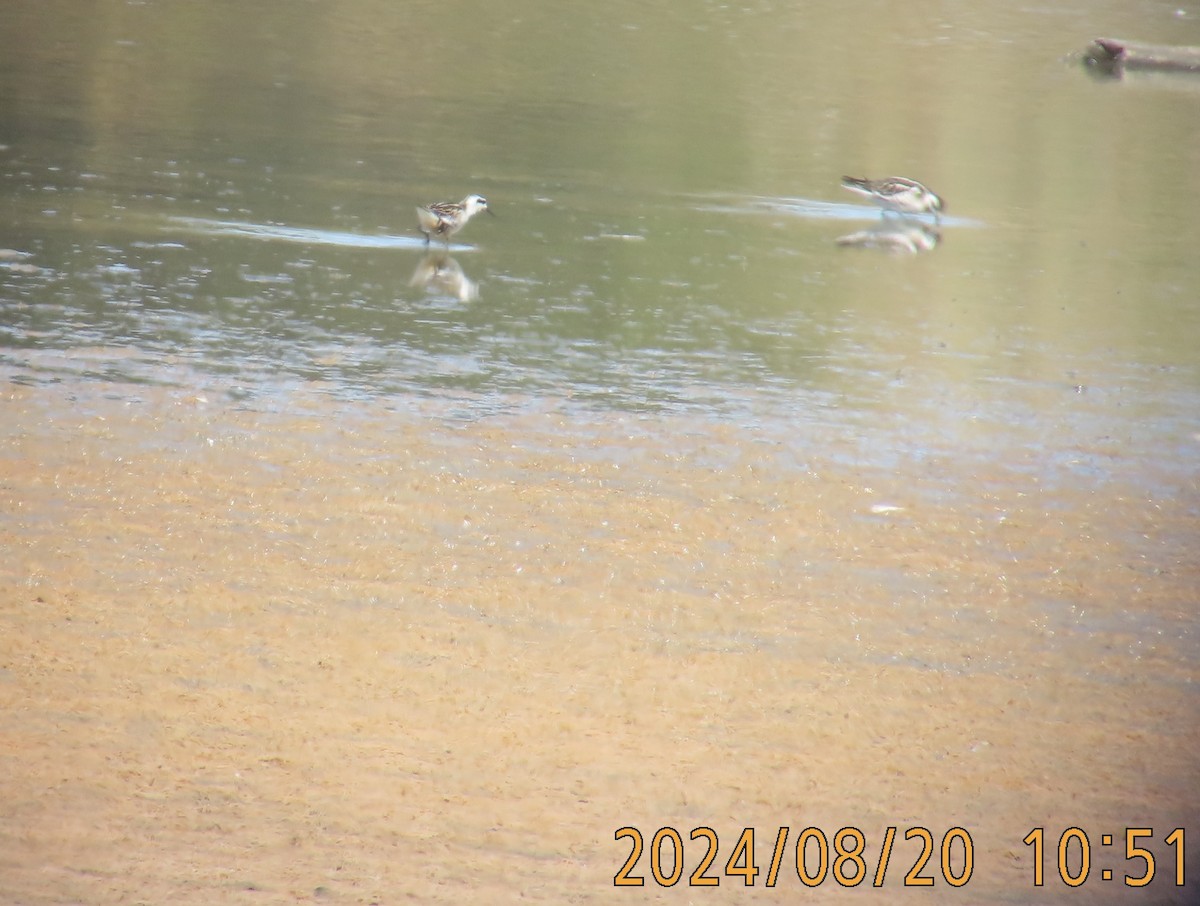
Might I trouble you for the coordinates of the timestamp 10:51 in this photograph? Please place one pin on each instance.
(1075, 855)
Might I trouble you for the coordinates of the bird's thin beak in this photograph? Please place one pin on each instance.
(490, 211)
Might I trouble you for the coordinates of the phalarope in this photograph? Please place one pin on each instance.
(897, 194)
(445, 218)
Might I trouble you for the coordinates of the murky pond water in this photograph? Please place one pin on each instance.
(339, 560)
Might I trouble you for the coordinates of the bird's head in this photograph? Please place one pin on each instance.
(473, 204)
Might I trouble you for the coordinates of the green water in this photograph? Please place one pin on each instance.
(221, 195)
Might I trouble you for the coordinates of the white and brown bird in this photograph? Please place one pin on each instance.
(897, 194)
(445, 218)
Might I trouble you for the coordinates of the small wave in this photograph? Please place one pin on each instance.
(306, 235)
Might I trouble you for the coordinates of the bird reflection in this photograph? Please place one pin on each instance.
(439, 274)
(903, 237)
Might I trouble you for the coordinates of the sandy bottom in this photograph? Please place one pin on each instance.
(350, 657)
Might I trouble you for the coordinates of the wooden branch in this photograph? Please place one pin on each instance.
(1115, 55)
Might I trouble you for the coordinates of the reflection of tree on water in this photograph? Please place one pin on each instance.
(441, 275)
(899, 236)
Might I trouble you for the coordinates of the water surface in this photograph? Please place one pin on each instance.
(235, 190)
(649, 476)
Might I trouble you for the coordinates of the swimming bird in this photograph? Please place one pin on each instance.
(897, 194)
(445, 218)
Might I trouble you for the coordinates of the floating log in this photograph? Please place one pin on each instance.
(1115, 56)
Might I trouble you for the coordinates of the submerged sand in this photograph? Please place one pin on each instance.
(349, 655)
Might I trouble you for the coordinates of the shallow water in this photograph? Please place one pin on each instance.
(646, 446)
(667, 225)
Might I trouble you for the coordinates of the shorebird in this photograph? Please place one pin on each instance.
(897, 194)
(445, 218)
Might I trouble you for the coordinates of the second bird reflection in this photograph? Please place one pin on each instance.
(440, 275)
(903, 237)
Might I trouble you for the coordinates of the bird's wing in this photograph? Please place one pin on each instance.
(429, 219)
